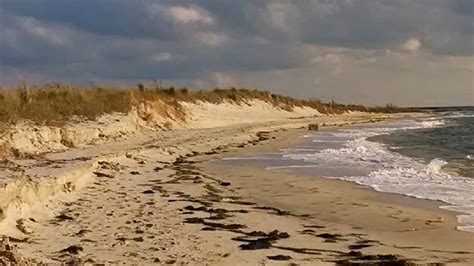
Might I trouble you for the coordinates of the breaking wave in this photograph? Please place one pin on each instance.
(395, 173)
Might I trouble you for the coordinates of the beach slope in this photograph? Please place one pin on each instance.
(155, 195)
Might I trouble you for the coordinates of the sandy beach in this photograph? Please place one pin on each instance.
(169, 199)
(237, 132)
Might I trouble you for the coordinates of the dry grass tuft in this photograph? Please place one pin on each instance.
(57, 103)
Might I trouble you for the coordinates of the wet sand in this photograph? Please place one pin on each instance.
(172, 201)
(386, 223)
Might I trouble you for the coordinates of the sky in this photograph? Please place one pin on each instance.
(405, 52)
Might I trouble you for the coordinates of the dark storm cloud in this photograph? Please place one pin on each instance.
(464, 7)
(25, 42)
(364, 24)
(107, 17)
(145, 39)
(357, 23)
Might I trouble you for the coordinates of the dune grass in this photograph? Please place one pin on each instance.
(57, 103)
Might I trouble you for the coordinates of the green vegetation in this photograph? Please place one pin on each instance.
(57, 103)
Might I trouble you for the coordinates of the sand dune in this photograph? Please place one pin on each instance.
(132, 191)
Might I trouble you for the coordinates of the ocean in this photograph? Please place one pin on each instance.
(428, 158)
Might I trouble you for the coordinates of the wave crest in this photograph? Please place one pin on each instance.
(395, 173)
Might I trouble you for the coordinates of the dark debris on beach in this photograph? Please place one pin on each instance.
(217, 219)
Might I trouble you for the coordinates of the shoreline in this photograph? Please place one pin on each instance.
(397, 197)
(157, 202)
(297, 136)
(445, 221)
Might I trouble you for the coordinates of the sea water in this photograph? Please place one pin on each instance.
(430, 158)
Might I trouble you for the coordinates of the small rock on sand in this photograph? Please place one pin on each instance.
(314, 127)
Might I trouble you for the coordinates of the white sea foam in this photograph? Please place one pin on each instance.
(327, 141)
(395, 173)
(460, 115)
(432, 123)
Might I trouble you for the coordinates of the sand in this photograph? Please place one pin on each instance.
(413, 229)
(167, 199)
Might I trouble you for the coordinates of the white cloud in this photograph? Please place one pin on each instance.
(190, 14)
(47, 33)
(411, 45)
(180, 14)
